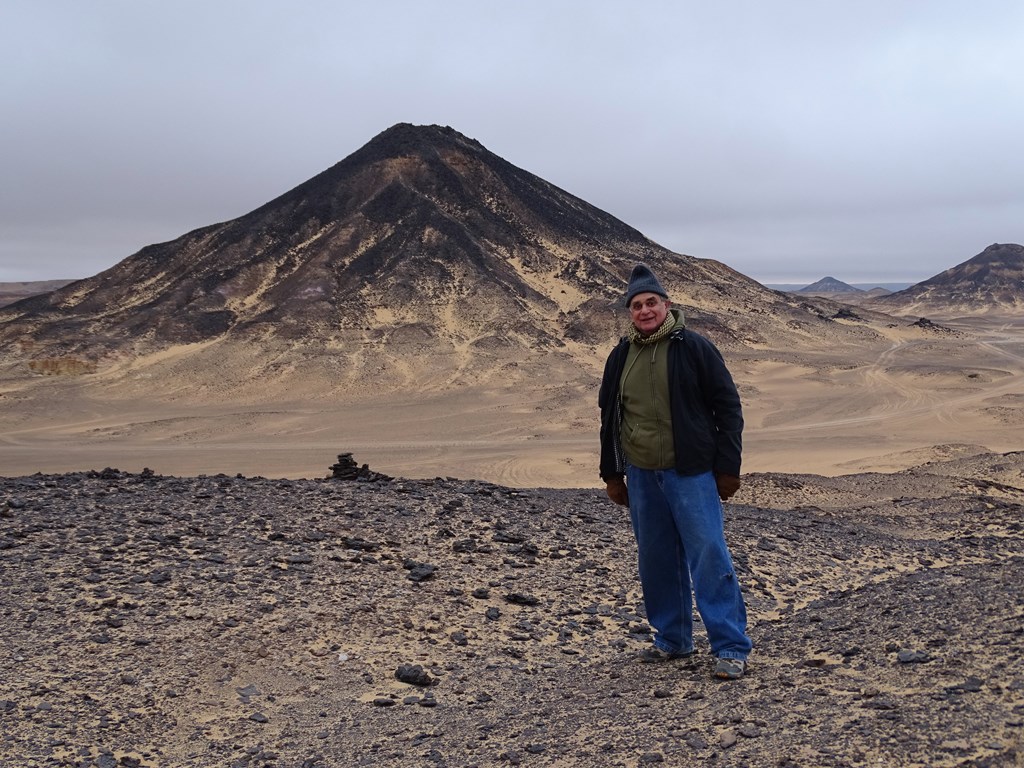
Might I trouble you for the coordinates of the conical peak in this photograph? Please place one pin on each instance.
(399, 142)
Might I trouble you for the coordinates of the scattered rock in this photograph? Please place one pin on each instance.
(970, 685)
(133, 608)
(413, 674)
(907, 656)
(419, 571)
(519, 598)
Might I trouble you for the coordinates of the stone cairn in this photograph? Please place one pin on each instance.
(347, 469)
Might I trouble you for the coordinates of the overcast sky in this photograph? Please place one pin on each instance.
(877, 140)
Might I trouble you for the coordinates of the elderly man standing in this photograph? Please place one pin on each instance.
(671, 427)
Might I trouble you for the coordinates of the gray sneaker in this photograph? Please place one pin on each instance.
(730, 669)
(655, 655)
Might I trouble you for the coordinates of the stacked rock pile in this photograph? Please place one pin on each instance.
(348, 469)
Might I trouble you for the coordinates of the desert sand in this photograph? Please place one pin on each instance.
(890, 407)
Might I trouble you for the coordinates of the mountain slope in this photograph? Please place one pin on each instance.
(990, 283)
(422, 259)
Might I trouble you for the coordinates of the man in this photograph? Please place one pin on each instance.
(671, 427)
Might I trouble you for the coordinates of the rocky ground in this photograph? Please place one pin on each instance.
(232, 621)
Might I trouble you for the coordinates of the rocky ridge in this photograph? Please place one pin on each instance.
(990, 283)
(232, 621)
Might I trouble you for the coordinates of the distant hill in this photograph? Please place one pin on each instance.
(12, 292)
(828, 285)
(866, 287)
(879, 291)
(990, 283)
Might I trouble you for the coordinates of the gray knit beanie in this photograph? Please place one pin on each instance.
(642, 280)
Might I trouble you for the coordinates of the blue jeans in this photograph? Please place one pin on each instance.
(680, 534)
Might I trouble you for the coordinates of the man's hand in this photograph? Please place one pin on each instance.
(617, 491)
(727, 486)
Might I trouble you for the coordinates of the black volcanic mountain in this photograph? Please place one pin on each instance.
(829, 285)
(418, 258)
(990, 283)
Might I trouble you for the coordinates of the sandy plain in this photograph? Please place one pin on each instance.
(824, 413)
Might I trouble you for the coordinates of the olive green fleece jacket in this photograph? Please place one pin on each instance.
(646, 409)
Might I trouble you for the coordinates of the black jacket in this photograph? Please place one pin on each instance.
(707, 420)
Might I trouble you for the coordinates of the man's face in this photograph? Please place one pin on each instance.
(648, 311)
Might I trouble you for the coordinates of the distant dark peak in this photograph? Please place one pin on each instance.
(991, 281)
(829, 285)
(1002, 262)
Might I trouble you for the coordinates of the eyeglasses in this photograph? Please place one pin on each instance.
(638, 306)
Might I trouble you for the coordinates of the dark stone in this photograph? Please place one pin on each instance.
(419, 571)
(907, 656)
(749, 730)
(970, 685)
(352, 542)
(506, 537)
(413, 674)
(518, 598)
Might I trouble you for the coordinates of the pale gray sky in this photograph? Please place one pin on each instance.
(878, 140)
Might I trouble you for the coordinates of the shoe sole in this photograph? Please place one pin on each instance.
(729, 675)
